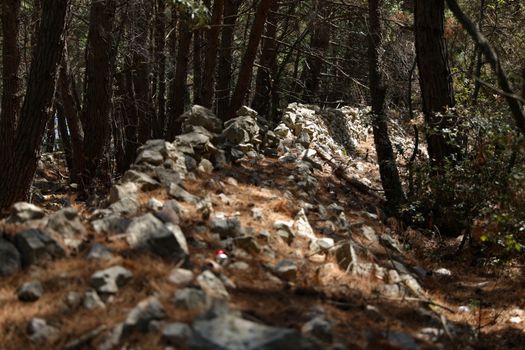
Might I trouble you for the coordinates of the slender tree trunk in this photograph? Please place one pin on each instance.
(197, 66)
(208, 83)
(319, 45)
(10, 107)
(263, 81)
(479, 56)
(17, 173)
(65, 138)
(231, 9)
(172, 49)
(180, 89)
(68, 105)
(385, 154)
(246, 69)
(434, 77)
(97, 100)
(160, 55)
(50, 135)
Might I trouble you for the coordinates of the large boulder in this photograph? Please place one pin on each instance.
(36, 245)
(243, 129)
(67, 224)
(230, 332)
(165, 240)
(23, 212)
(203, 117)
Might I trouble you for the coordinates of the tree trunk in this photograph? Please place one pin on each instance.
(267, 65)
(97, 100)
(160, 55)
(10, 107)
(385, 155)
(231, 9)
(65, 138)
(246, 69)
(197, 66)
(172, 49)
(318, 47)
(49, 143)
(208, 83)
(17, 173)
(435, 78)
(181, 74)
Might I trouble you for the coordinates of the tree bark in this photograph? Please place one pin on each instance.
(212, 38)
(319, 45)
(97, 100)
(434, 77)
(265, 72)
(10, 107)
(231, 9)
(17, 173)
(160, 56)
(180, 89)
(172, 50)
(246, 69)
(385, 154)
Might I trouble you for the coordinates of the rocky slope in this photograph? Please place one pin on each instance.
(231, 237)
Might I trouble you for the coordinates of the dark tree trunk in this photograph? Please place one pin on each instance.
(50, 136)
(172, 49)
(246, 68)
(385, 154)
(180, 89)
(141, 72)
(264, 79)
(68, 104)
(231, 9)
(197, 66)
(65, 138)
(318, 47)
(17, 173)
(160, 56)
(434, 77)
(10, 107)
(97, 100)
(212, 38)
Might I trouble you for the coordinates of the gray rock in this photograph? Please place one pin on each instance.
(390, 243)
(168, 177)
(346, 256)
(181, 277)
(23, 212)
(150, 157)
(109, 281)
(111, 224)
(168, 216)
(92, 300)
(257, 214)
(203, 117)
(242, 130)
(230, 332)
(318, 327)
(286, 269)
(212, 285)
(40, 332)
(167, 241)
(205, 167)
(391, 290)
(190, 298)
(248, 243)
(181, 194)
(126, 206)
(154, 204)
(121, 191)
(66, 222)
(369, 233)
(403, 340)
(143, 181)
(35, 246)
(226, 226)
(323, 244)
(442, 272)
(139, 318)
(176, 333)
(239, 265)
(99, 252)
(10, 259)
(30, 291)
(73, 300)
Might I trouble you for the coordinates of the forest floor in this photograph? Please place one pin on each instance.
(476, 306)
